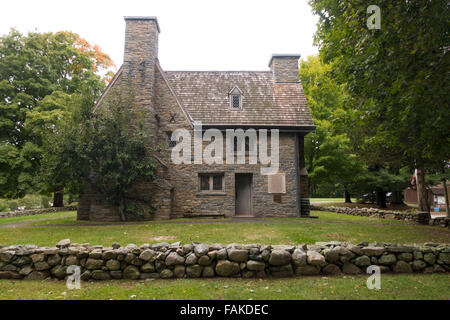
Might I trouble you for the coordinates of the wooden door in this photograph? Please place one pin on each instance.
(243, 190)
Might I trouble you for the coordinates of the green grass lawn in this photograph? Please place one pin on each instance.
(422, 286)
(329, 226)
(69, 218)
(38, 217)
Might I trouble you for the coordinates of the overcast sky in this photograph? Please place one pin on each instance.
(195, 34)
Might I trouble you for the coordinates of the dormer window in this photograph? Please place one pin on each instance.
(235, 98)
(236, 101)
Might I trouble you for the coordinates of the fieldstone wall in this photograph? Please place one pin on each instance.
(419, 217)
(31, 212)
(195, 260)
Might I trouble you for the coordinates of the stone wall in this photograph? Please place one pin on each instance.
(419, 217)
(197, 260)
(32, 212)
(190, 201)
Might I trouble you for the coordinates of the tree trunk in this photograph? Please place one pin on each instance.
(422, 194)
(372, 198)
(397, 197)
(381, 198)
(58, 198)
(123, 211)
(348, 199)
(447, 208)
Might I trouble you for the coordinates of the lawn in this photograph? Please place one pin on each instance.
(329, 226)
(38, 217)
(422, 286)
(51, 228)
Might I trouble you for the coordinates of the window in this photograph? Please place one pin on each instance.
(235, 101)
(235, 96)
(217, 182)
(211, 182)
(204, 182)
(171, 143)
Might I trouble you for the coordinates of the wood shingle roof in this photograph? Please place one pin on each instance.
(204, 94)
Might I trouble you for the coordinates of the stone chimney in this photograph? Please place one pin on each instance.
(140, 57)
(284, 68)
(141, 39)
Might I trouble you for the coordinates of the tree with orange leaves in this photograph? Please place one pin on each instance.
(39, 75)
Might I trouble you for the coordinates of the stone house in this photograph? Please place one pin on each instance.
(172, 100)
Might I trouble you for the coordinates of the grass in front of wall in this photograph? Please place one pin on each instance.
(71, 219)
(71, 214)
(400, 286)
(329, 226)
(332, 217)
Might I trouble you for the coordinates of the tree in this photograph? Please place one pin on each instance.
(329, 157)
(38, 74)
(106, 150)
(399, 73)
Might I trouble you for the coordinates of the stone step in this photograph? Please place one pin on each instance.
(202, 215)
(243, 217)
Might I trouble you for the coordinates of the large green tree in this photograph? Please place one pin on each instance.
(399, 73)
(330, 158)
(104, 149)
(38, 74)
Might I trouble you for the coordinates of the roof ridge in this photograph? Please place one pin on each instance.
(217, 71)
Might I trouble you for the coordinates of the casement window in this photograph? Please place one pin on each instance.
(235, 96)
(170, 142)
(235, 101)
(211, 182)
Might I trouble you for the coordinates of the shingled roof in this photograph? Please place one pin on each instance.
(204, 94)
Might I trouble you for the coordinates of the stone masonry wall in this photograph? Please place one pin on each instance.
(191, 201)
(285, 69)
(419, 217)
(197, 260)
